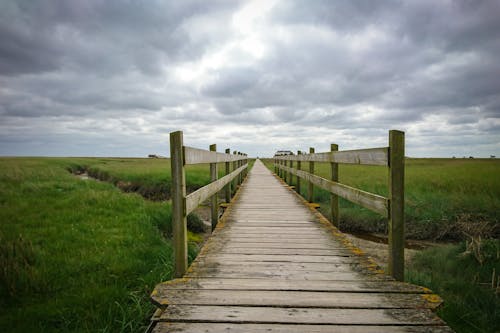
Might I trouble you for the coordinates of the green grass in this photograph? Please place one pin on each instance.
(471, 304)
(81, 256)
(438, 194)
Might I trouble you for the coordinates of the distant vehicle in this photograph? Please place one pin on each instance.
(283, 153)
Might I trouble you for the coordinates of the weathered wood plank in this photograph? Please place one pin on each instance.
(267, 258)
(240, 314)
(291, 299)
(295, 285)
(306, 252)
(201, 156)
(372, 156)
(248, 272)
(207, 327)
(195, 198)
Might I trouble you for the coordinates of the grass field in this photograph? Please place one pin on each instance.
(82, 256)
(447, 199)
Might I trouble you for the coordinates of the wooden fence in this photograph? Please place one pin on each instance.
(391, 207)
(183, 204)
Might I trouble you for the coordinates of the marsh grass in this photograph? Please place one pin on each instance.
(469, 288)
(80, 256)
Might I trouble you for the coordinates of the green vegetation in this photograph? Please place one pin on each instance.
(82, 256)
(468, 284)
(439, 194)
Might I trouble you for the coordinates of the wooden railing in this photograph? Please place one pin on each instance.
(183, 204)
(391, 207)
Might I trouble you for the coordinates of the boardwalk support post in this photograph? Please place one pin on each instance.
(396, 204)
(179, 220)
(214, 204)
(334, 199)
(310, 191)
(228, 171)
(299, 164)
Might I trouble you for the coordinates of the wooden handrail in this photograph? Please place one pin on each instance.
(183, 204)
(391, 207)
(372, 156)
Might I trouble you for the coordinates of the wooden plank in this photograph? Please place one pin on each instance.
(240, 314)
(371, 156)
(396, 194)
(248, 272)
(179, 221)
(286, 245)
(239, 249)
(266, 258)
(310, 267)
(374, 202)
(208, 327)
(194, 199)
(201, 156)
(291, 299)
(297, 285)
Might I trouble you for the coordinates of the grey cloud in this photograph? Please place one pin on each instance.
(78, 73)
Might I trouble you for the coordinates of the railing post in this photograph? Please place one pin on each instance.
(179, 221)
(334, 199)
(239, 165)
(396, 204)
(285, 178)
(275, 166)
(235, 166)
(228, 171)
(299, 164)
(310, 192)
(214, 204)
(290, 176)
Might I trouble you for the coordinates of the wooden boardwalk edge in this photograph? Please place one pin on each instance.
(247, 279)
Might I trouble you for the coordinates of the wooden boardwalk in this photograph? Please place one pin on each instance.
(274, 265)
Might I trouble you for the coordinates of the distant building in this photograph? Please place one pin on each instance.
(283, 153)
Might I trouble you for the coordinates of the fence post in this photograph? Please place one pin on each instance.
(285, 177)
(299, 164)
(179, 220)
(310, 193)
(290, 176)
(396, 204)
(334, 199)
(228, 171)
(214, 204)
(235, 166)
(275, 166)
(240, 163)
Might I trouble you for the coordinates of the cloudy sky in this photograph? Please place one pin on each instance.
(113, 78)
